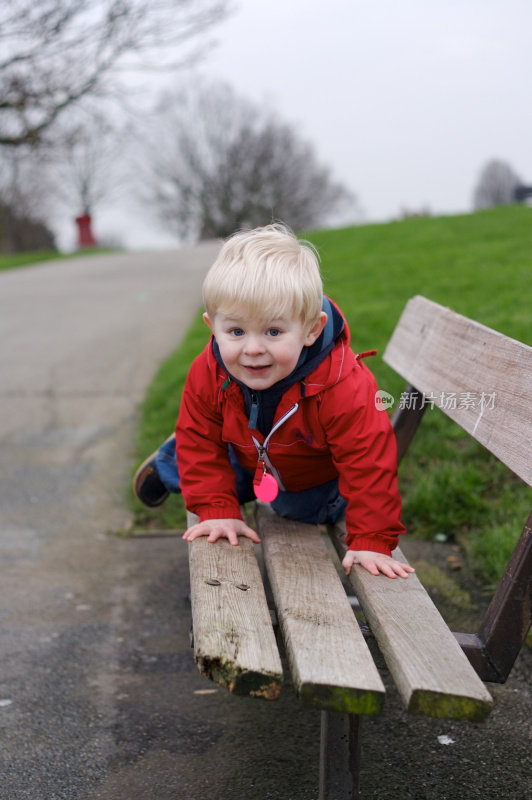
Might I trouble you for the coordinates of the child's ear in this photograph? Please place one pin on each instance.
(316, 329)
(207, 321)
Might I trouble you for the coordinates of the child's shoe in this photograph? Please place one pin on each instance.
(148, 485)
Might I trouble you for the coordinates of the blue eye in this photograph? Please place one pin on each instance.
(274, 331)
(237, 332)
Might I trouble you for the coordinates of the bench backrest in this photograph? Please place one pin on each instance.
(483, 381)
(477, 376)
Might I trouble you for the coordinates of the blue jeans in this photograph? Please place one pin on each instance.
(318, 506)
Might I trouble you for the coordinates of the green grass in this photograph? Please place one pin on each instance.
(15, 260)
(158, 417)
(481, 266)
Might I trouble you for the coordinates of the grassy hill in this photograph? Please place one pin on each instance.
(481, 266)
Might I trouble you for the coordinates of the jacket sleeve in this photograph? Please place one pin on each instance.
(363, 449)
(207, 478)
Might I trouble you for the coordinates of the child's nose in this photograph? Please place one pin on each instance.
(254, 344)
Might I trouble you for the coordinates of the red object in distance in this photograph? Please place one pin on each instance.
(85, 235)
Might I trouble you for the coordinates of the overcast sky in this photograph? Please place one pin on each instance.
(405, 100)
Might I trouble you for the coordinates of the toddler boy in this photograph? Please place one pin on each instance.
(277, 406)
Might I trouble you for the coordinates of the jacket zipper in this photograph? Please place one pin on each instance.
(262, 449)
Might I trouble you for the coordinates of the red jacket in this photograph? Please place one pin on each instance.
(336, 431)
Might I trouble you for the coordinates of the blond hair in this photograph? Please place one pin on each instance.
(266, 273)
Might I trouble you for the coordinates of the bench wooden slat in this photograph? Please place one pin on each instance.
(234, 641)
(439, 351)
(330, 662)
(432, 674)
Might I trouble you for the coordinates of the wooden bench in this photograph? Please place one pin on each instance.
(438, 673)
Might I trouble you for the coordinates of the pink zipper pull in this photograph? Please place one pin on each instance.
(267, 490)
(264, 484)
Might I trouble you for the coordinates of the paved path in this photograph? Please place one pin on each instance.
(99, 696)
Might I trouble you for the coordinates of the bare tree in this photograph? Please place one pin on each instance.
(57, 53)
(24, 202)
(86, 169)
(219, 163)
(496, 186)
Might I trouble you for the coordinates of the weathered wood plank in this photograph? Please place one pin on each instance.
(485, 375)
(234, 641)
(431, 671)
(330, 663)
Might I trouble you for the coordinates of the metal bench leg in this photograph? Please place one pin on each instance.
(339, 756)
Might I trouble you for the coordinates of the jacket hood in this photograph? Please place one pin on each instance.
(329, 371)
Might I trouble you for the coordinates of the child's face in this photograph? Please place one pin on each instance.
(260, 354)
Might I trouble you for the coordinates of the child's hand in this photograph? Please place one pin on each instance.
(215, 529)
(376, 563)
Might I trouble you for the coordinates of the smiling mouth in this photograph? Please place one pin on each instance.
(256, 367)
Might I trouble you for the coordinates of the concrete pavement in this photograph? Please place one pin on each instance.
(99, 696)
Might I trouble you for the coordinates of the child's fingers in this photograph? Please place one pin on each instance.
(190, 534)
(403, 570)
(251, 534)
(393, 568)
(229, 529)
(220, 533)
(386, 569)
(400, 569)
(376, 564)
(232, 532)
